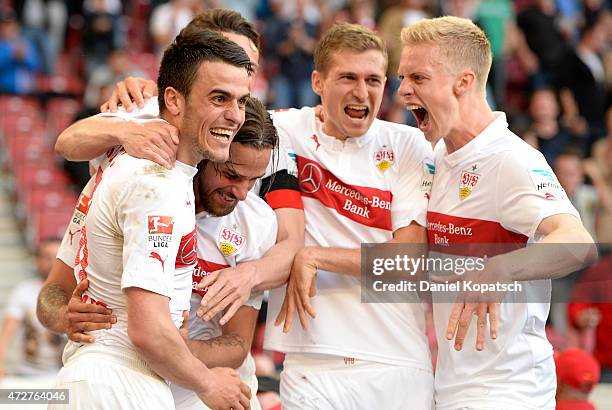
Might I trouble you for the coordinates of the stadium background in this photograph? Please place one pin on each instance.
(552, 74)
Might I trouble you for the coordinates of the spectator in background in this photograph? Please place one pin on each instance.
(102, 31)
(569, 170)
(545, 39)
(599, 169)
(116, 68)
(577, 374)
(289, 46)
(42, 350)
(19, 60)
(584, 76)
(167, 20)
(546, 133)
(44, 23)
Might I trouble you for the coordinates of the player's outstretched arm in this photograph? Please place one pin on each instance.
(302, 280)
(60, 307)
(228, 289)
(573, 249)
(231, 348)
(159, 342)
(129, 92)
(93, 136)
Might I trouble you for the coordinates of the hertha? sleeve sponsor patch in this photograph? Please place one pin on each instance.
(546, 184)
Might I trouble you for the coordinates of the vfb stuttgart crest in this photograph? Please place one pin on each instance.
(383, 158)
(230, 241)
(467, 184)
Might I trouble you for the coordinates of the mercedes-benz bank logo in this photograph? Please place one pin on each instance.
(311, 177)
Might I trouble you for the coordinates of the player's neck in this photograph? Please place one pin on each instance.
(185, 152)
(472, 119)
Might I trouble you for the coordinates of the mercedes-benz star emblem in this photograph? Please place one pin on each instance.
(310, 178)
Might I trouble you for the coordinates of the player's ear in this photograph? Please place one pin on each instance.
(174, 101)
(466, 80)
(317, 82)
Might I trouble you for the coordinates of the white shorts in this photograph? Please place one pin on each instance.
(538, 393)
(323, 382)
(103, 378)
(187, 400)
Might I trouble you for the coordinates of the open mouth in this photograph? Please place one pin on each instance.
(356, 111)
(222, 134)
(420, 114)
(228, 199)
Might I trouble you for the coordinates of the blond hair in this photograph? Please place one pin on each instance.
(463, 43)
(346, 36)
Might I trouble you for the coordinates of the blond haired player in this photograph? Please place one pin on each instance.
(491, 187)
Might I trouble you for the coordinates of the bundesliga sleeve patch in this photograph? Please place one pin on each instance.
(159, 234)
(160, 224)
(546, 184)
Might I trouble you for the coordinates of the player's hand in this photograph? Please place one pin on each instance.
(229, 287)
(461, 318)
(84, 317)
(156, 141)
(301, 286)
(469, 303)
(132, 90)
(225, 391)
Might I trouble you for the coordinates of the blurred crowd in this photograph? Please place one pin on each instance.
(552, 75)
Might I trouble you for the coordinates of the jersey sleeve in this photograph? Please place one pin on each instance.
(280, 187)
(149, 111)
(527, 192)
(146, 214)
(412, 184)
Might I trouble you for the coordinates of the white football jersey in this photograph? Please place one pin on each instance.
(245, 234)
(139, 231)
(355, 191)
(496, 189)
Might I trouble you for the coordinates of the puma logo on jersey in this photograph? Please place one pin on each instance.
(316, 141)
(156, 256)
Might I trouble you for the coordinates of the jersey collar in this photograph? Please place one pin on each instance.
(335, 144)
(186, 169)
(487, 137)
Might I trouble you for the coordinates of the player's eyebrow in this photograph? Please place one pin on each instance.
(227, 93)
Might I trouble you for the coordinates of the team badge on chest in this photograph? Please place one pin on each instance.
(230, 240)
(383, 158)
(468, 182)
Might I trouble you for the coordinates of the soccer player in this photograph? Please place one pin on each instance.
(490, 187)
(137, 242)
(361, 180)
(233, 226)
